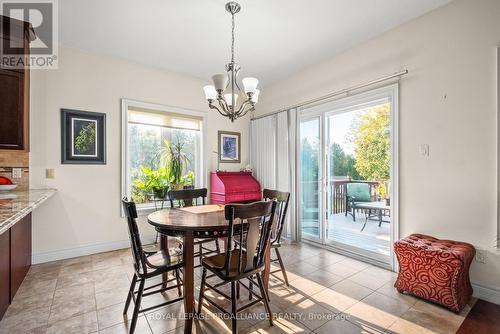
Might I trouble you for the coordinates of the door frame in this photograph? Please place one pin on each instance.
(308, 117)
(330, 107)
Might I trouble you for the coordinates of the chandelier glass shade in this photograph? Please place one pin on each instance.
(226, 95)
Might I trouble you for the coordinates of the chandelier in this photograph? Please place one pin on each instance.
(223, 95)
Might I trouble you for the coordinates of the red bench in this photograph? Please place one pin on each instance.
(435, 270)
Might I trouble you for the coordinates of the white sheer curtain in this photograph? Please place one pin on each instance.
(273, 158)
(263, 150)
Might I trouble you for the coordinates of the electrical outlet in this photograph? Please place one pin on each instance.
(17, 173)
(480, 256)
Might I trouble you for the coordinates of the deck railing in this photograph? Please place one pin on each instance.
(338, 192)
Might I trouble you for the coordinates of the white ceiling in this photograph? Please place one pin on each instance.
(274, 38)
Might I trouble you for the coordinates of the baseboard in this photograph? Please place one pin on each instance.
(68, 253)
(485, 293)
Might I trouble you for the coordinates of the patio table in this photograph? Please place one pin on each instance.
(378, 207)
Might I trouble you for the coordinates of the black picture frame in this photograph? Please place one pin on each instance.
(233, 154)
(83, 137)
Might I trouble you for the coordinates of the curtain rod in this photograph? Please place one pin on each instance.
(339, 92)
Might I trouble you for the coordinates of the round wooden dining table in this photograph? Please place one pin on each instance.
(204, 221)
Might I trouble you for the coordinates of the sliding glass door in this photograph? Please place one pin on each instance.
(348, 174)
(310, 178)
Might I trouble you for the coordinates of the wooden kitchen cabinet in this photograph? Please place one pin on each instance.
(4, 272)
(15, 260)
(12, 125)
(14, 88)
(20, 252)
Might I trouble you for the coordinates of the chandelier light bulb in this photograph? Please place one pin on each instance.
(250, 85)
(210, 92)
(220, 81)
(255, 96)
(229, 98)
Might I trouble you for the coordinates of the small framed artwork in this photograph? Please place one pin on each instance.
(229, 146)
(83, 137)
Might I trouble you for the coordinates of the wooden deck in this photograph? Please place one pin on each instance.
(344, 230)
(373, 238)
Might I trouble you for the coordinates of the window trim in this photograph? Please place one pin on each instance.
(125, 153)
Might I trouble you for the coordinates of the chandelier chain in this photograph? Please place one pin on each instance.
(232, 39)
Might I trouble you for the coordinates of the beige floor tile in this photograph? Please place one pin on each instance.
(359, 265)
(285, 297)
(72, 307)
(342, 326)
(428, 307)
(381, 273)
(290, 275)
(113, 315)
(167, 318)
(402, 326)
(433, 322)
(76, 268)
(71, 280)
(341, 270)
(111, 297)
(386, 304)
(103, 283)
(142, 327)
(351, 289)
(211, 327)
(301, 268)
(81, 324)
(44, 271)
(310, 313)
(23, 303)
(323, 277)
(73, 293)
(109, 262)
(76, 261)
(25, 321)
(362, 313)
(368, 280)
(35, 286)
(333, 300)
(306, 286)
(331, 256)
(389, 290)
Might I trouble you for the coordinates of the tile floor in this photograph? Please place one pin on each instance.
(328, 293)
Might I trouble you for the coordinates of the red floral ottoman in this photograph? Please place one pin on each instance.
(435, 270)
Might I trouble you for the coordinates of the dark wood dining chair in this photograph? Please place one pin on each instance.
(251, 225)
(148, 264)
(191, 197)
(282, 199)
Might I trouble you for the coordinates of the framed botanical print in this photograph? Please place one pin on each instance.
(83, 137)
(229, 146)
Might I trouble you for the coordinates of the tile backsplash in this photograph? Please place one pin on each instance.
(15, 159)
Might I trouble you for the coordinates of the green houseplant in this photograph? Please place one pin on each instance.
(175, 160)
(154, 182)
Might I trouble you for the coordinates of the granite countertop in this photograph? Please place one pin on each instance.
(14, 205)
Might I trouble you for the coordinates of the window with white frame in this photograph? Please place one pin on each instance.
(150, 133)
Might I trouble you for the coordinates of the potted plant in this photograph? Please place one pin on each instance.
(154, 182)
(173, 157)
(189, 180)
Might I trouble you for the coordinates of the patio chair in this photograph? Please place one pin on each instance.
(356, 193)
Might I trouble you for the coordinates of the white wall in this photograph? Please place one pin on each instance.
(84, 215)
(447, 101)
